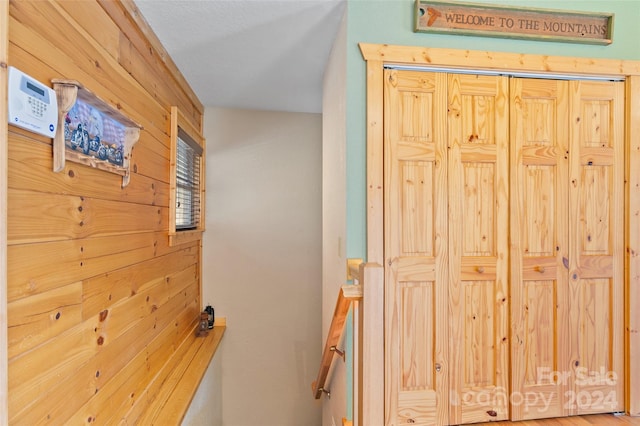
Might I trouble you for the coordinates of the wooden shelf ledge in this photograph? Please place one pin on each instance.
(181, 377)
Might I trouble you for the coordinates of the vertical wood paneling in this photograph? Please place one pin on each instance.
(98, 301)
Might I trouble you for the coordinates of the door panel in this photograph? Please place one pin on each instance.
(478, 247)
(596, 258)
(567, 195)
(417, 198)
(504, 250)
(540, 248)
(415, 248)
(417, 330)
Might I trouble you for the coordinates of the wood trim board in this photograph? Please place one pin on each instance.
(632, 265)
(4, 46)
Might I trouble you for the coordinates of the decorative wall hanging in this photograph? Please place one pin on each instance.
(91, 132)
(512, 22)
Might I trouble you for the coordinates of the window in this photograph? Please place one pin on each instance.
(187, 181)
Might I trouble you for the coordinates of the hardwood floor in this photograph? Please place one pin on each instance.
(591, 420)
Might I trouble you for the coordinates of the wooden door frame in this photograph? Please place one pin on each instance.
(379, 55)
(4, 133)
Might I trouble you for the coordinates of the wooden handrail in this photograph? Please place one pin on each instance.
(348, 293)
(368, 343)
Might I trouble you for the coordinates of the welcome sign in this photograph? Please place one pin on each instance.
(510, 22)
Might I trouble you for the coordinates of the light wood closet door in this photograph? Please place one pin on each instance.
(478, 187)
(471, 161)
(446, 244)
(416, 275)
(596, 248)
(567, 220)
(539, 261)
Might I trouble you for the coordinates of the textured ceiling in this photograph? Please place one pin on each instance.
(250, 54)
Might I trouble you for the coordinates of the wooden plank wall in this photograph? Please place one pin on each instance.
(97, 300)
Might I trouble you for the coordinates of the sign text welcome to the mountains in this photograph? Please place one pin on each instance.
(509, 22)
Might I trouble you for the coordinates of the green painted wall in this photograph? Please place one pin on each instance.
(391, 22)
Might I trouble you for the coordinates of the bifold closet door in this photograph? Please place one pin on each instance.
(416, 274)
(502, 198)
(567, 231)
(596, 248)
(540, 225)
(478, 188)
(446, 247)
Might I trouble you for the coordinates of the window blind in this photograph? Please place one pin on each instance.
(187, 183)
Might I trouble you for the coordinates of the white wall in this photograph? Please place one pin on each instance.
(334, 199)
(206, 406)
(262, 262)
